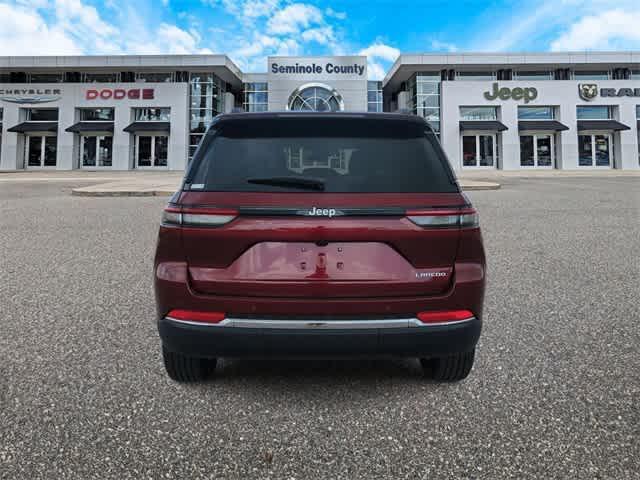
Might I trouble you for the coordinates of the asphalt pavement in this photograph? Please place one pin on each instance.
(555, 391)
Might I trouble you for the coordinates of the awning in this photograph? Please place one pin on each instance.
(148, 127)
(91, 127)
(489, 125)
(25, 127)
(543, 125)
(601, 125)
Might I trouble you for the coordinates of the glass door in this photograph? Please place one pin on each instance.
(34, 151)
(88, 148)
(595, 150)
(41, 151)
(96, 150)
(537, 150)
(160, 151)
(151, 151)
(479, 150)
(602, 150)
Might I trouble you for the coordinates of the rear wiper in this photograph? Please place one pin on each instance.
(293, 182)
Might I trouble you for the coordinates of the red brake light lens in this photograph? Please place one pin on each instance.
(195, 316)
(463, 218)
(444, 316)
(198, 216)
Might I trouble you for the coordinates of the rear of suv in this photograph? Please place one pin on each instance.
(312, 234)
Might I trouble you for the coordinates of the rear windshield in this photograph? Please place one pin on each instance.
(357, 155)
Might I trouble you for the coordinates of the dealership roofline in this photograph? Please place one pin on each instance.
(407, 63)
(221, 65)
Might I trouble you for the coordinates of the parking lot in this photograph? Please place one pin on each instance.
(555, 391)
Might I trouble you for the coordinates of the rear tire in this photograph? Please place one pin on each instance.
(452, 368)
(182, 368)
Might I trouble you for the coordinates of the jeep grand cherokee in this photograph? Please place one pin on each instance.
(309, 234)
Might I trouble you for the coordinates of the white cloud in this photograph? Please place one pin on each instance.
(82, 20)
(259, 8)
(380, 50)
(379, 56)
(439, 46)
(293, 18)
(71, 27)
(25, 32)
(321, 35)
(332, 13)
(612, 29)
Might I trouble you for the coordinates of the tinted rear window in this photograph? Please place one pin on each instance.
(356, 155)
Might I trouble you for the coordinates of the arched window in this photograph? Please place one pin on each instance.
(315, 97)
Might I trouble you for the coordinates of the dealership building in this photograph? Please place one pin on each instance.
(490, 111)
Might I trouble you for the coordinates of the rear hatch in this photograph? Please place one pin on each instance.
(320, 207)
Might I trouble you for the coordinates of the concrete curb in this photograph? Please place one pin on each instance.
(80, 192)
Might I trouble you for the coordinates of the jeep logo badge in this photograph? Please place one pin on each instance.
(587, 91)
(320, 212)
(517, 93)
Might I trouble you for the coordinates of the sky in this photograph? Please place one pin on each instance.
(250, 30)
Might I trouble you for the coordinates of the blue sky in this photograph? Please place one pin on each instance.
(250, 30)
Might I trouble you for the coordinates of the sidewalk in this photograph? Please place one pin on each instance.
(147, 183)
(142, 187)
(140, 183)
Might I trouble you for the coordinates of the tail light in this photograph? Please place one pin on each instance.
(196, 316)
(439, 218)
(198, 216)
(444, 316)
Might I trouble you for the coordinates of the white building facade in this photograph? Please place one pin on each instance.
(491, 111)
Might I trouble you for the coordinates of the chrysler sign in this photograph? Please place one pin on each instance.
(30, 95)
(120, 94)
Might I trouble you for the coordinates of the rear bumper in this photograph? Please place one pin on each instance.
(257, 338)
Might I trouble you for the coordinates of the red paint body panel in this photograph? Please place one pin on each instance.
(302, 269)
(252, 264)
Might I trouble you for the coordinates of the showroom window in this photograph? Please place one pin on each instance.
(536, 113)
(534, 75)
(155, 77)
(102, 77)
(45, 77)
(424, 88)
(41, 147)
(256, 97)
(478, 113)
(96, 143)
(595, 149)
(480, 148)
(594, 112)
(97, 114)
(42, 115)
(152, 114)
(206, 100)
(374, 96)
(592, 75)
(537, 148)
(315, 97)
(488, 75)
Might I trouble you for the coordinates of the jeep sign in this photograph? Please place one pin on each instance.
(517, 93)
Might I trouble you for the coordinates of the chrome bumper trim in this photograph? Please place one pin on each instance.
(320, 324)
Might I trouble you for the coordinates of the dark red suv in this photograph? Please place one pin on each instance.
(309, 234)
